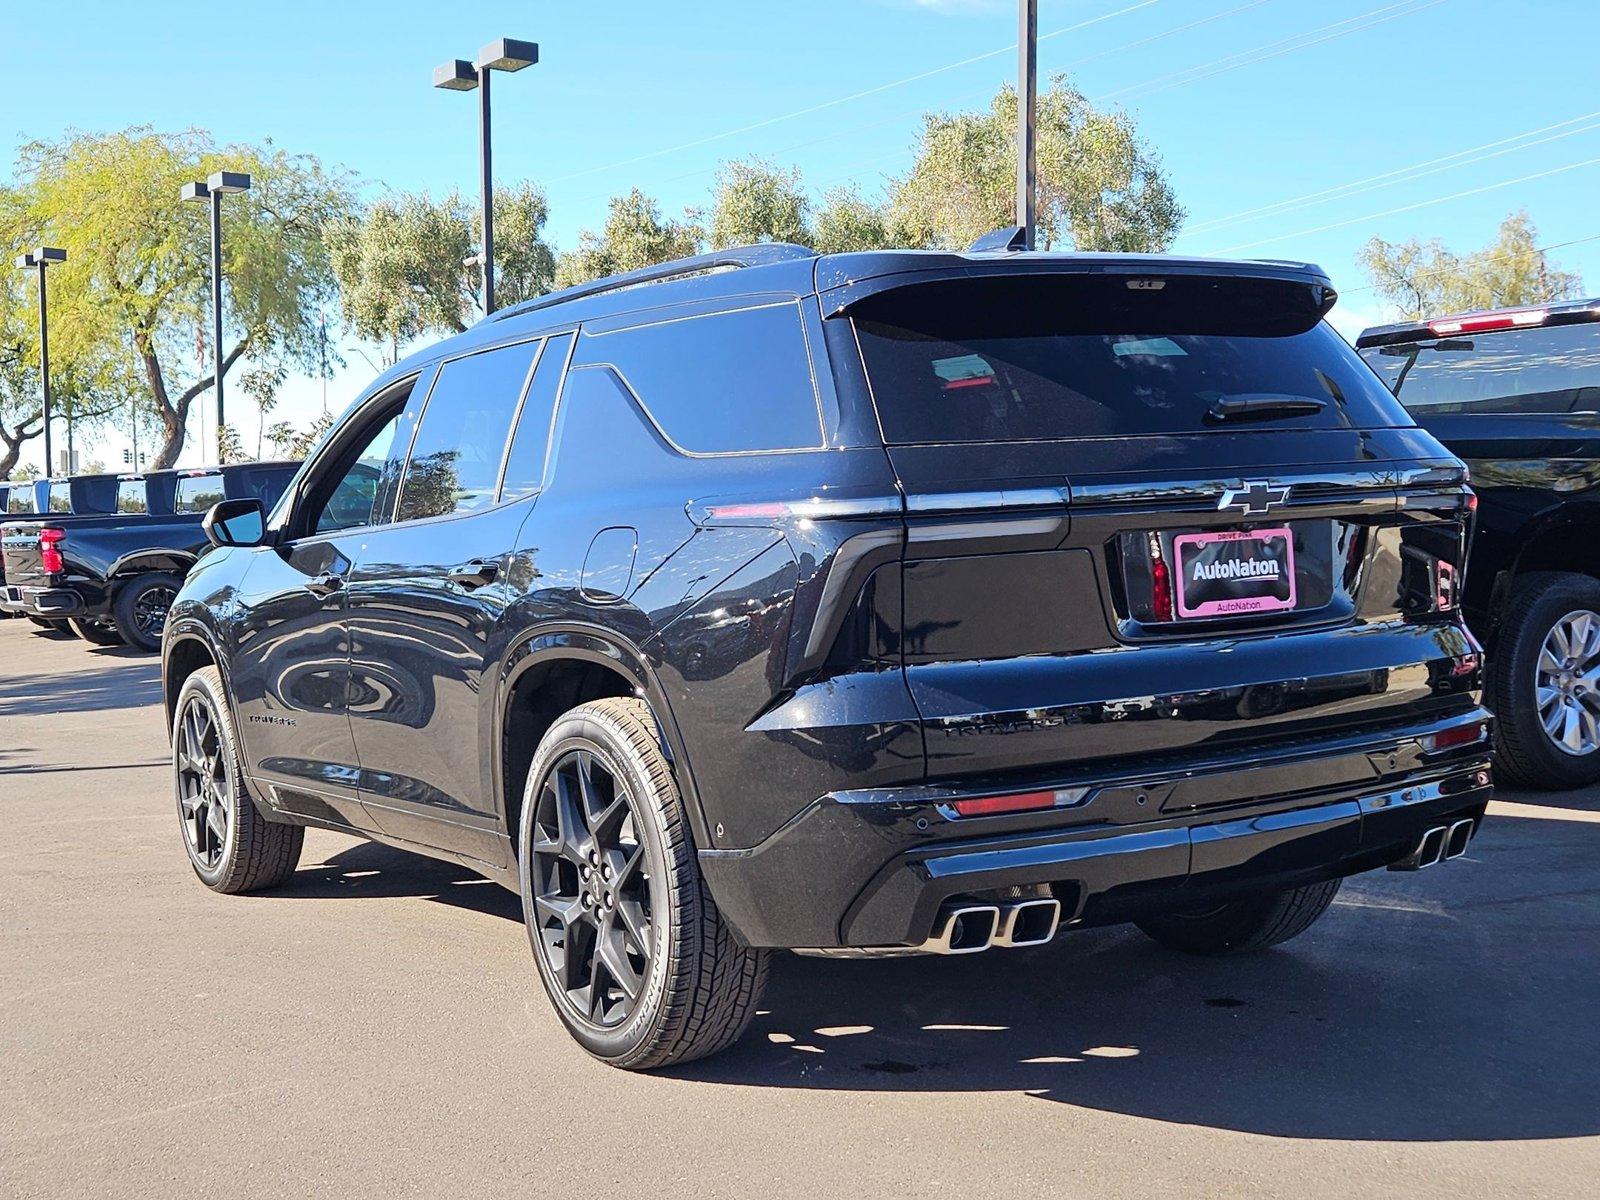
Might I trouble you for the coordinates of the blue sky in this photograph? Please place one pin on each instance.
(1251, 103)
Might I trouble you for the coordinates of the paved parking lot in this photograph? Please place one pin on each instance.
(375, 1028)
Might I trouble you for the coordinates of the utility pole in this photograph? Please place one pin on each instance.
(1028, 119)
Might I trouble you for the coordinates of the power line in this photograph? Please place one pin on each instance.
(1262, 54)
(1300, 41)
(861, 95)
(1403, 174)
(1404, 208)
(834, 134)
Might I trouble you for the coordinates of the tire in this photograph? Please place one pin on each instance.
(1528, 755)
(695, 988)
(1244, 925)
(248, 852)
(138, 602)
(95, 633)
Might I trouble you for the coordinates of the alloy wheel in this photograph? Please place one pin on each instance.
(1567, 683)
(591, 890)
(205, 786)
(150, 611)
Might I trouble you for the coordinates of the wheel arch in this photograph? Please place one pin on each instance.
(187, 647)
(155, 558)
(549, 671)
(1546, 542)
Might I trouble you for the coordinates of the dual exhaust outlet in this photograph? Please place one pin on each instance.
(972, 928)
(1439, 844)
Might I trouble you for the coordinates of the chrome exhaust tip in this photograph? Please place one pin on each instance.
(1458, 838)
(964, 929)
(1028, 923)
(1430, 850)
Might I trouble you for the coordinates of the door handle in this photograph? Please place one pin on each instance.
(474, 574)
(325, 584)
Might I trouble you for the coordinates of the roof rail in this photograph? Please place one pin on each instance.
(735, 256)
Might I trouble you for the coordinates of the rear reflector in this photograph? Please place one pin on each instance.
(1488, 321)
(1448, 739)
(989, 806)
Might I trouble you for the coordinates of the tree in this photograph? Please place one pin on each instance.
(1100, 185)
(634, 235)
(135, 287)
(401, 262)
(261, 384)
(847, 221)
(1426, 279)
(754, 201)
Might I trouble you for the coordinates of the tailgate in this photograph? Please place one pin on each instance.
(19, 550)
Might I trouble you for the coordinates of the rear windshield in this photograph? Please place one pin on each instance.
(131, 497)
(197, 493)
(1042, 357)
(20, 499)
(1549, 370)
(61, 497)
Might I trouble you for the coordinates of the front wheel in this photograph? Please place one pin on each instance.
(639, 964)
(140, 608)
(1244, 925)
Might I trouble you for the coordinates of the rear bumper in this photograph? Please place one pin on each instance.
(873, 869)
(42, 602)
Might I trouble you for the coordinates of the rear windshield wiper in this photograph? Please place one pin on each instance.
(1262, 407)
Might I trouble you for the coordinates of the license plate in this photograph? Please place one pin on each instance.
(1235, 571)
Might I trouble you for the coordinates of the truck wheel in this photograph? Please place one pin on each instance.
(1249, 923)
(94, 632)
(231, 846)
(1544, 682)
(140, 608)
(634, 955)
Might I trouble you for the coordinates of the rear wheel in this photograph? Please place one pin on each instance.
(1544, 682)
(94, 632)
(639, 964)
(140, 608)
(1249, 923)
(231, 846)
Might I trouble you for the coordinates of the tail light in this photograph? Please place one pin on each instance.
(50, 550)
(1161, 589)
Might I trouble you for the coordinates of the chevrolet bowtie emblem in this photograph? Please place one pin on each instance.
(1252, 498)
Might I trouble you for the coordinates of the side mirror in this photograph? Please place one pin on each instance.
(236, 523)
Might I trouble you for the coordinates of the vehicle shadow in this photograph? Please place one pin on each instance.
(96, 690)
(1450, 1005)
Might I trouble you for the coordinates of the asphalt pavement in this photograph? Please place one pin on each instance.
(375, 1027)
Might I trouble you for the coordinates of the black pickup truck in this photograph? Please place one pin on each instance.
(1515, 393)
(110, 567)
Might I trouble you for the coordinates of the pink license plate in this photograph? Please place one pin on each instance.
(1234, 572)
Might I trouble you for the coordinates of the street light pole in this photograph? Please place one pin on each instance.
(1027, 119)
(217, 185)
(458, 75)
(38, 260)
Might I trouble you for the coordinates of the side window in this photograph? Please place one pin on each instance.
(525, 464)
(131, 497)
(350, 503)
(721, 383)
(197, 493)
(461, 440)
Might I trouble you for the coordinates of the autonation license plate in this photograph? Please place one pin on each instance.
(1235, 571)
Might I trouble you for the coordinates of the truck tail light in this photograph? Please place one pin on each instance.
(50, 550)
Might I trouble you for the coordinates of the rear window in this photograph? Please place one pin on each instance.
(197, 493)
(20, 499)
(1044, 357)
(61, 497)
(132, 497)
(1538, 370)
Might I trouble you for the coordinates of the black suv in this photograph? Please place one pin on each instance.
(1516, 393)
(860, 604)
